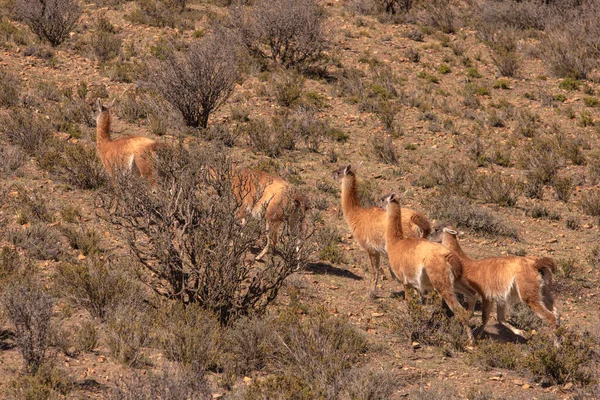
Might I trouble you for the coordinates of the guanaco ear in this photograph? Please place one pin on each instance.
(391, 197)
(112, 103)
(99, 105)
(451, 231)
(347, 170)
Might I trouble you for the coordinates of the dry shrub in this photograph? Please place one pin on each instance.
(383, 148)
(542, 158)
(31, 207)
(428, 324)
(10, 88)
(29, 308)
(504, 53)
(459, 211)
(567, 51)
(187, 236)
(439, 14)
(270, 139)
(372, 385)
(81, 167)
(494, 16)
(50, 382)
(11, 264)
(12, 159)
(363, 7)
(127, 333)
(526, 123)
(40, 241)
(104, 43)
(451, 177)
(315, 353)
(287, 88)
(499, 189)
(199, 81)
(171, 384)
(590, 202)
(84, 239)
(161, 13)
(563, 187)
(95, 285)
(289, 32)
(26, 129)
(52, 20)
(86, 336)
(190, 336)
(593, 162)
(249, 344)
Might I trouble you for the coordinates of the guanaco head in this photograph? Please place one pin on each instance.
(437, 235)
(341, 172)
(393, 198)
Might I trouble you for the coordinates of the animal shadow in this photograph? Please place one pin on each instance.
(321, 268)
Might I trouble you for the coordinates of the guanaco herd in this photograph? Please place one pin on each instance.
(400, 233)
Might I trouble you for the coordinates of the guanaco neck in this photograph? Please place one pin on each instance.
(103, 128)
(350, 201)
(394, 222)
(451, 242)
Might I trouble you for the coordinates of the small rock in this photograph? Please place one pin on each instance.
(526, 386)
(568, 386)
(552, 240)
(247, 379)
(377, 314)
(416, 345)
(81, 257)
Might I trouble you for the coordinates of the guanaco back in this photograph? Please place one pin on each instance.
(368, 224)
(506, 280)
(268, 196)
(133, 153)
(423, 265)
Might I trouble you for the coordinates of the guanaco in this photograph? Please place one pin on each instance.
(423, 265)
(133, 153)
(506, 280)
(267, 196)
(368, 224)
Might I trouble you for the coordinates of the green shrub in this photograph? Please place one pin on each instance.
(491, 354)
(502, 84)
(572, 362)
(569, 84)
(287, 87)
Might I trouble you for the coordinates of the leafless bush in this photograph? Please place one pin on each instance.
(372, 385)
(10, 88)
(81, 167)
(12, 265)
(542, 159)
(169, 384)
(30, 309)
(186, 233)
(384, 148)
(289, 32)
(190, 336)
(52, 20)
(198, 82)
(563, 187)
(526, 123)
(363, 7)
(96, 285)
(26, 129)
(460, 212)
(84, 239)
